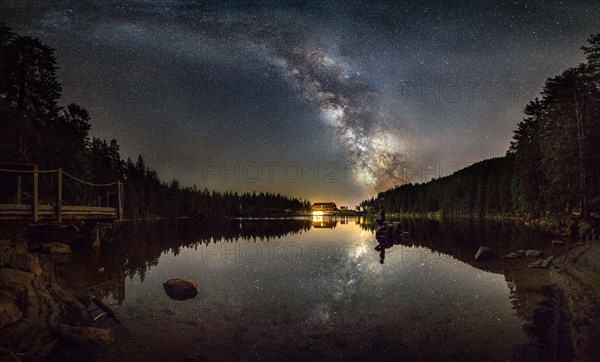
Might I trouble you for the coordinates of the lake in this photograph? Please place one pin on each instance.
(306, 289)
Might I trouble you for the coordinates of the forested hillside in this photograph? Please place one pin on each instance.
(552, 165)
(37, 130)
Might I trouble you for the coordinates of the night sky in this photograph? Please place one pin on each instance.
(316, 99)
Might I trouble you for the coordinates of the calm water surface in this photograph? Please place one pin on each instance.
(305, 289)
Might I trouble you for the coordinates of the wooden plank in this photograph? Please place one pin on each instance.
(91, 212)
(120, 200)
(19, 191)
(90, 217)
(48, 212)
(70, 214)
(15, 207)
(15, 218)
(59, 197)
(73, 208)
(76, 217)
(25, 209)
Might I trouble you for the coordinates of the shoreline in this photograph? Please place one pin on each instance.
(577, 275)
(41, 317)
(561, 225)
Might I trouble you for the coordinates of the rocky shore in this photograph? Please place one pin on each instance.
(37, 316)
(567, 226)
(558, 291)
(576, 275)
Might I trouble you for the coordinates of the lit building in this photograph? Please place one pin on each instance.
(324, 208)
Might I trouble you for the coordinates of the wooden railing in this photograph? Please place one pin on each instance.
(59, 212)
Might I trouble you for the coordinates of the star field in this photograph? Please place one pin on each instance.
(318, 99)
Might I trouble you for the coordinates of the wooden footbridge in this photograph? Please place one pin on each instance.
(105, 208)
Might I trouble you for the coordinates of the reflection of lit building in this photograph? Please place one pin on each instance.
(360, 220)
(324, 208)
(320, 221)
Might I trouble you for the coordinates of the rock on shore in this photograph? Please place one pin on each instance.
(56, 248)
(31, 302)
(534, 253)
(9, 314)
(85, 336)
(14, 255)
(484, 253)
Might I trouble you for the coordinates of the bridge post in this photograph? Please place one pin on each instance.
(59, 198)
(120, 201)
(19, 192)
(35, 193)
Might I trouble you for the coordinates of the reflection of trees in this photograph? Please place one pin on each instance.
(464, 236)
(138, 246)
(93, 274)
(460, 238)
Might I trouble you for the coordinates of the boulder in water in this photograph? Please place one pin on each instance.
(181, 289)
(389, 230)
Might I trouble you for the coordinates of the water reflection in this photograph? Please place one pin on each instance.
(382, 244)
(132, 250)
(462, 237)
(323, 221)
(290, 288)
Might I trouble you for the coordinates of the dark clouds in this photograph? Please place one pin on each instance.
(360, 86)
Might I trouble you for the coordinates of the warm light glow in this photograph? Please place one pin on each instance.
(317, 213)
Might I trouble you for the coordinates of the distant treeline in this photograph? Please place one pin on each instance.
(35, 129)
(552, 165)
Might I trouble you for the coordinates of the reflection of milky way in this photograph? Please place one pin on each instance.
(347, 104)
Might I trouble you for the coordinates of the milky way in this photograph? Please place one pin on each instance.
(347, 104)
